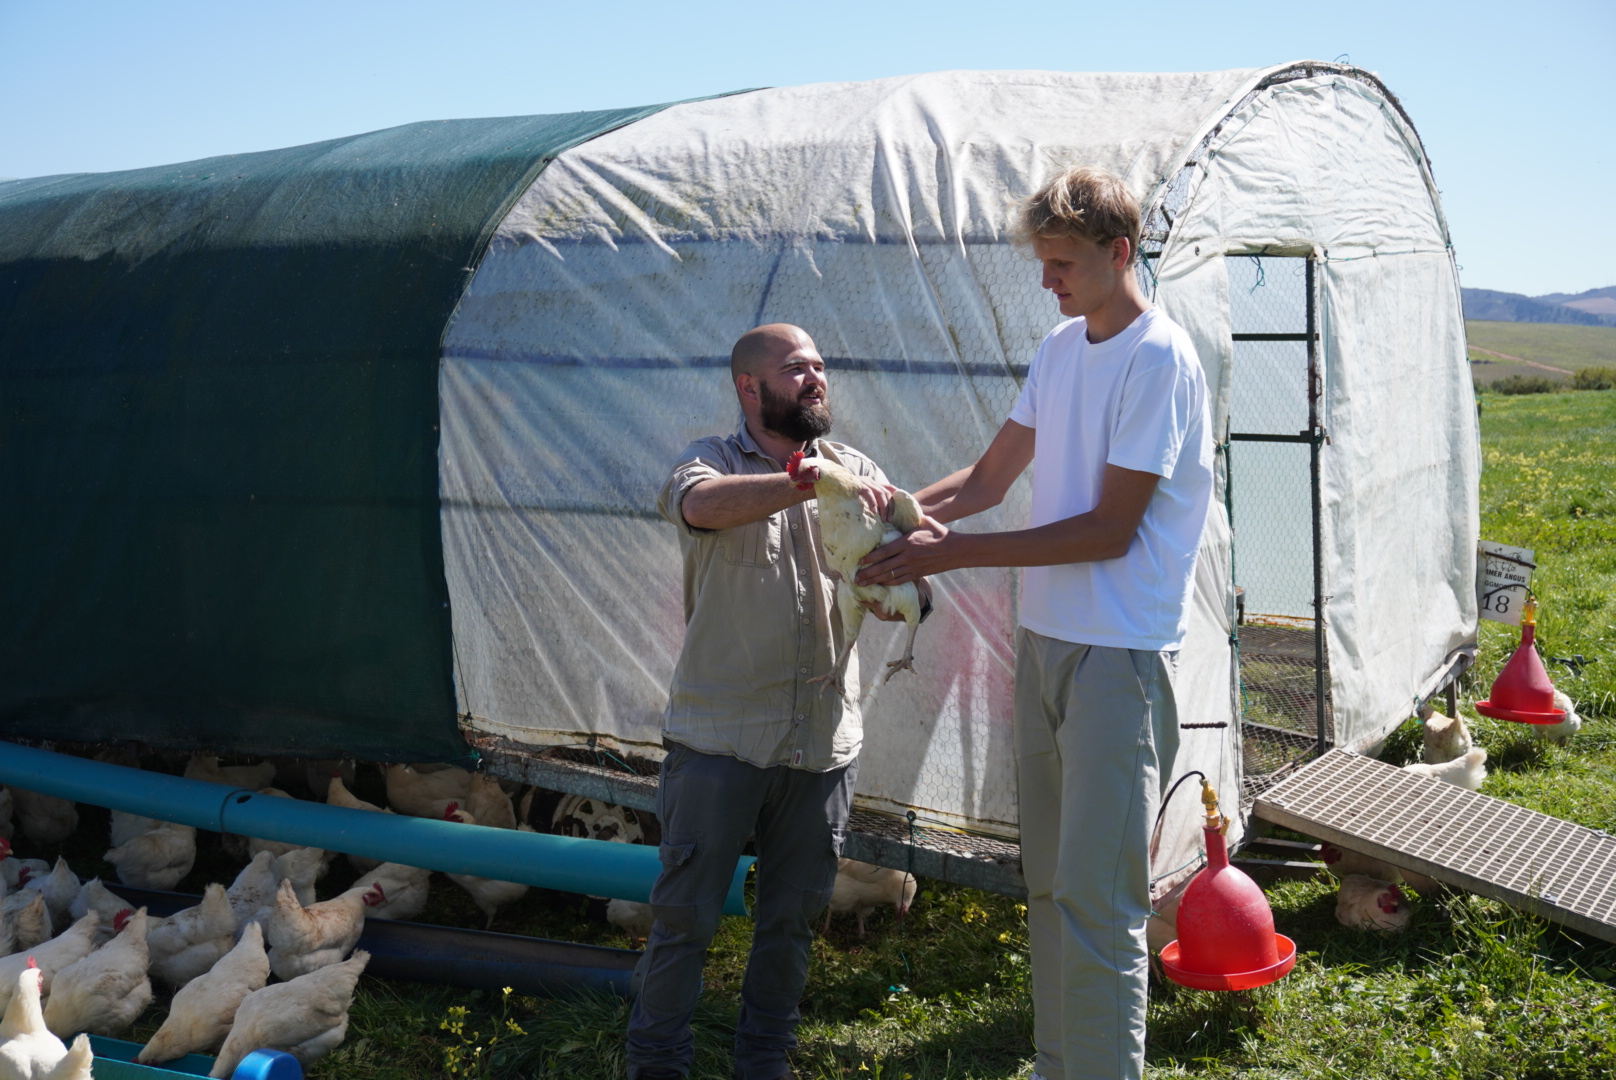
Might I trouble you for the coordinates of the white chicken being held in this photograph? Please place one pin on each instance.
(850, 530)
(306, 1017)
(107, 990)
(861, 888)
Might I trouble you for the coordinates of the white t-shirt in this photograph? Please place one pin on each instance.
(1136, 400)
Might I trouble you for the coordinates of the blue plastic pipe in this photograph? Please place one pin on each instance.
(566, 863)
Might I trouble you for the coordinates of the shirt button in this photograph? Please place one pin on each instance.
(802, 716)
(793, 524)
(804, 671)
(807, 622)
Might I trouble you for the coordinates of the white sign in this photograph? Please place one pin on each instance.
(1505, 573)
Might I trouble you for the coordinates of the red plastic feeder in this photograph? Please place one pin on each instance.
(1522, 692)
(1226, 928)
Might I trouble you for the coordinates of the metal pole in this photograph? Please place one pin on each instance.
(1315, 389)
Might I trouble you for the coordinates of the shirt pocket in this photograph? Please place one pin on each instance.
(754, 544)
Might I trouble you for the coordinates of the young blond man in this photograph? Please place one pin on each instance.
(1114, 420)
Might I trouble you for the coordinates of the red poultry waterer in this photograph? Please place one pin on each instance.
(1522, 692)
(1226, 938)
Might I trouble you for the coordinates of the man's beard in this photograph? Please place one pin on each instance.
(793, 420)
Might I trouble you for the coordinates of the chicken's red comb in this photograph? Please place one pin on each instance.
(24, 874)
(381, 895)
(450, 811)
(33, 963)
(5, 848)
(793, 464)
(121, 920)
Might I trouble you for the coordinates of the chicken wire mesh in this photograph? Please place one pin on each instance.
(1272, 476)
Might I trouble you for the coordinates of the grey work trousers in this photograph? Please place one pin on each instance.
(709, 805)
(1096, 734)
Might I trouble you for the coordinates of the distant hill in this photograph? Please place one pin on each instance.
(1594, 301)
(1492, 306)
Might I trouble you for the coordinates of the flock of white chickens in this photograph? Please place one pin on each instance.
(75, 958)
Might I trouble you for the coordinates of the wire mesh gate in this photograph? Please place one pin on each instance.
(1271, 462)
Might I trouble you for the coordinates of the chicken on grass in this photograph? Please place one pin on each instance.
(1367, 904)
(203, 1010)
(861, 888)
(1468, 771)
(488, 894)
(1566, 728)
(1342, 862)
(306, 1017)
(851, 530)
(1446, 738)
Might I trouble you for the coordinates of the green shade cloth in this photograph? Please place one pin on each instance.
(219, 445)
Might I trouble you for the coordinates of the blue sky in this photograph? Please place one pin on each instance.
(1515, 102)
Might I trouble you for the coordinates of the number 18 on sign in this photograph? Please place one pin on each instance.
(1505, 573)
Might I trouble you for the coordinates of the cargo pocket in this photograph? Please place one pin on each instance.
(673, 898)
(754, 544)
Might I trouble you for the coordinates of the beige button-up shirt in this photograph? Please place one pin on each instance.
(760, 621)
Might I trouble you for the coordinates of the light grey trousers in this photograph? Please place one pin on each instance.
(1096, 734)
(708, 805)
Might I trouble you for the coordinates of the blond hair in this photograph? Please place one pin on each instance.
(1079, 201)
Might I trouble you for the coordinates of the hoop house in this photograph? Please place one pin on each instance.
(358, 450)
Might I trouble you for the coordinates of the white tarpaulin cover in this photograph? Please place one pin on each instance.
(593, 345)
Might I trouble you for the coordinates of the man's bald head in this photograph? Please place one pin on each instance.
(758, 346)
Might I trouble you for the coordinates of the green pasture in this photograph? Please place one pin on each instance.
(1560, 344)
(1472, 989)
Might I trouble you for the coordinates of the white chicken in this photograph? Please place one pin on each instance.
(77, 1064)
(1446, 738)
(302, 867)
(1469, 771)
(24, 921)
(125, 827)
(251, 777)
(424, 794)
(107, 990)
(1341, 862)
(96, 897)
(252, 894)
(488, 894)
(68, 947)
(306, 1017)
(17, 871)
(404, 890)
(27, 1047)
(631, 915)
(59, 888)
(157, 859)
(302, 939)
(861, 888)
(1367, 904)
(276, 848)
(189, 942)
(1564, 729)
(337, 794)
(201, 1014)
(45, 819)
(488, 803)
(850, 531)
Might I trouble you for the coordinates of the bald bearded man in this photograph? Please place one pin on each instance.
(754, 749)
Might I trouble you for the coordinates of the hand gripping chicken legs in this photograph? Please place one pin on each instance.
(850, 531)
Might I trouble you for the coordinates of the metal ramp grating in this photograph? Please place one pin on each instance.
(1484, 845)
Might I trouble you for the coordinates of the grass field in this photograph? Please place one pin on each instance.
(1562, 346)
(1470, 990)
